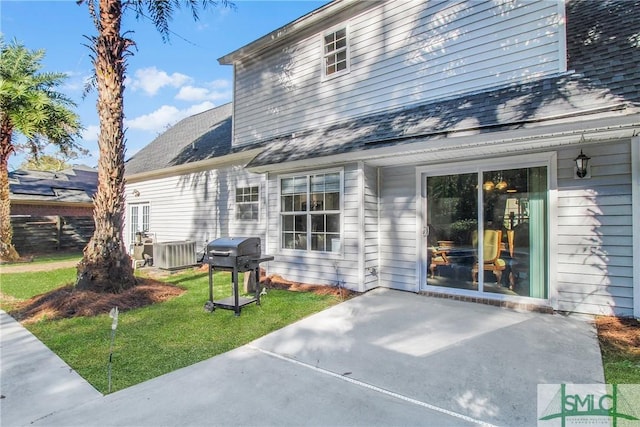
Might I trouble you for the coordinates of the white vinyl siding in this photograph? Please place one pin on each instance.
(398, 251)
(401, 53)
(198, 206)
(595, 244)
(370, 217)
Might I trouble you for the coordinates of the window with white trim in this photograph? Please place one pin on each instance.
(336, 52)
(248, 203)
(139, 215)
(310, 212)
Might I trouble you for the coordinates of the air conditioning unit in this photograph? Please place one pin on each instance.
(178, 254)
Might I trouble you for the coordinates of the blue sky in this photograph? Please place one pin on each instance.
(165, 81)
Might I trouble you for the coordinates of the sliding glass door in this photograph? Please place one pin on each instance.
(487, 231)
(452, 218)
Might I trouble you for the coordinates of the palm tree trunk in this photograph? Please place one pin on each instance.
(7, 250)
(106, 266)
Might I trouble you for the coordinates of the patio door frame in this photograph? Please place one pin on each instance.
(548, 159)
(140, 207)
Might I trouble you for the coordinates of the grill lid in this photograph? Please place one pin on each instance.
(235, 247)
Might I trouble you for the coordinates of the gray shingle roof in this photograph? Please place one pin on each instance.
(76, 185)
(199, 137)
(603, 46)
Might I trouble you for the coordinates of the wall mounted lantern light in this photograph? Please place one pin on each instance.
(582, 164)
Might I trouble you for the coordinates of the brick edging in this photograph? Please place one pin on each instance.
(489, 301)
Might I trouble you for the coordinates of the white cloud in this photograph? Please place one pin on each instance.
(90, 133)
(164, 116)
(75, 81)
(151, 80)
(191, 93)
(155, 120)
(198, 108)
(213, 91)
(219, 84)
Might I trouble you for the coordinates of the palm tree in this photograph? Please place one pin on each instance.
(29, 105)
(106, 266)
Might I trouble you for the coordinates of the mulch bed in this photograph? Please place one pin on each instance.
(277, 282)
(620, 333)
(68, 302)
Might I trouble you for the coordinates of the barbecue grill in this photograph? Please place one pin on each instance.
(235, 254)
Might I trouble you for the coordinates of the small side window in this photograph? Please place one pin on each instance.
(336, 52)
(247, 203)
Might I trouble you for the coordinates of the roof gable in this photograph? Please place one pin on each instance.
(199, 137)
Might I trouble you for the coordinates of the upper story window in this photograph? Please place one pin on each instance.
(336, 52)
(247, 203)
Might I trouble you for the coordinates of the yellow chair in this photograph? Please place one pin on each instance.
(491, 254)
(438, 257)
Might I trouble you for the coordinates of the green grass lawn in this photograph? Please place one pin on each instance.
(26, 285)
(160, 338)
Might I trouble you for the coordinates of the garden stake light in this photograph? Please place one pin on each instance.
(114, 325)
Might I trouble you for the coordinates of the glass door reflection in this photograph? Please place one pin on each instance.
(503, 212)
(452, 208)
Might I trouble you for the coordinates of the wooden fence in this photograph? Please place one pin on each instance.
(44, 234)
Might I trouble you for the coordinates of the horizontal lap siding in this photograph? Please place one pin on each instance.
(398, 228)
(401, 53)
(371, 263)
(318, 267)
(198, 206)
(594, 260)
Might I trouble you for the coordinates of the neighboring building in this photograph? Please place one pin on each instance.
(67, 192)
(382, 143)
(52, 211)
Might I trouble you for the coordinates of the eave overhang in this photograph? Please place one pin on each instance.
(241, 157)
(473, 144)
(302, 27)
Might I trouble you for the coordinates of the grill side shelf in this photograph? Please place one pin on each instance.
(235, 264)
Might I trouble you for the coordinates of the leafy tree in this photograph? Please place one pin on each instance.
(106, 266)
(45, 162)
(31, 106)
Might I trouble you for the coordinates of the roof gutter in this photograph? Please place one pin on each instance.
(51, 203)
(202, 165)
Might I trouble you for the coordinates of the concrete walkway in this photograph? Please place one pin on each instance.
(29, 267)
(383, 358)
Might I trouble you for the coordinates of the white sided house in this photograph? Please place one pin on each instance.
(481, 150)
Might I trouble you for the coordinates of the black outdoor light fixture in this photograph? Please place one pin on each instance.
(582, 161)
